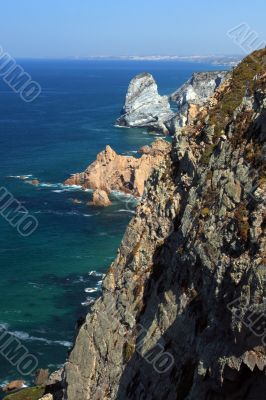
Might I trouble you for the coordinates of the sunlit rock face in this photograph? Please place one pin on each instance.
(189, 278)
(144, 107)
(195, 93)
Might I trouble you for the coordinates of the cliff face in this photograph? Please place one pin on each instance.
(181, 315)
(194, 94)
(144, 107)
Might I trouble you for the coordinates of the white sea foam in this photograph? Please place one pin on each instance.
(88, 302)
(95, 273)
(20, 176)
(128, 211)
(61, 213)
(24, 336)
(4, 326)
(91, 290)
(60, 187)
(121, 127)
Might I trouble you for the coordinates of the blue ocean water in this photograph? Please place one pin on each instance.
(44, 276)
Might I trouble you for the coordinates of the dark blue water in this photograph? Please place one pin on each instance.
(44, 276)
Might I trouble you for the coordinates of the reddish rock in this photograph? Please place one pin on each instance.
(13, 385)
(100, 198)
(127, 174)
(42, 376)
(35, 182)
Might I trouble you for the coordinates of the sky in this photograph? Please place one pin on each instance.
(82, 28)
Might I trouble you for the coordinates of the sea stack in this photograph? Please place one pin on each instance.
(144, 107)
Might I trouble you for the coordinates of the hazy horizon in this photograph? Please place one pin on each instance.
(78, 29)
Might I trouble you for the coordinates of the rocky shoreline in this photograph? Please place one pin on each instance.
(114, 172)
(144, 107)
(178, 316)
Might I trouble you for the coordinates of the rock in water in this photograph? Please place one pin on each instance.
(127, 174)
(195, 93)
(144, 107)
(13, 385)
(100, 198)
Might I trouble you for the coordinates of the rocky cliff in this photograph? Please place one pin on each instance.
(127, 174)
(195, 93)
(182, 310)
(144, 107)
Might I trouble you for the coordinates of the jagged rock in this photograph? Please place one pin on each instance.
(41, 377)
(182, 314)
(127, 174)
(13, 385)
(100, 198)
(193, 95)
(47, 397)
(144, 107)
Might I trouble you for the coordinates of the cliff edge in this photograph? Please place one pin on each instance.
(182, 310)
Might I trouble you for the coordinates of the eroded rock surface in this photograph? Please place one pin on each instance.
(144, 107)
(194, 94)
(127, 174)
(100, 198)
(189, 278)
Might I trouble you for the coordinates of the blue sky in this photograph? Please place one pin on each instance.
(62, 28)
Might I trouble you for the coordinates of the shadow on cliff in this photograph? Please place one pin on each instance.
(198, 336)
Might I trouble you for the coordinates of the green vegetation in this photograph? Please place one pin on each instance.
(243, 79)
(205, 158)
(128, 351)
(34, 393)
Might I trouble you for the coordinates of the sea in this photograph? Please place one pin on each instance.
(50, 278)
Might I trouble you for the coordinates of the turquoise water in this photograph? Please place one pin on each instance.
(44, 276)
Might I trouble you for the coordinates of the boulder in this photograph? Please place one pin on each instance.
(100, 198)
(35, 182)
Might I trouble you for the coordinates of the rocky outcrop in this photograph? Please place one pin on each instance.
(100, 198)
(127, 174)
(144, 107)
(182, 310)
(14, 385)
(194, 94)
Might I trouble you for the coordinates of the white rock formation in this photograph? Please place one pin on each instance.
(195, 92)
(144, 107)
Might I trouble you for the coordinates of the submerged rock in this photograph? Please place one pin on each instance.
(144, 107)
